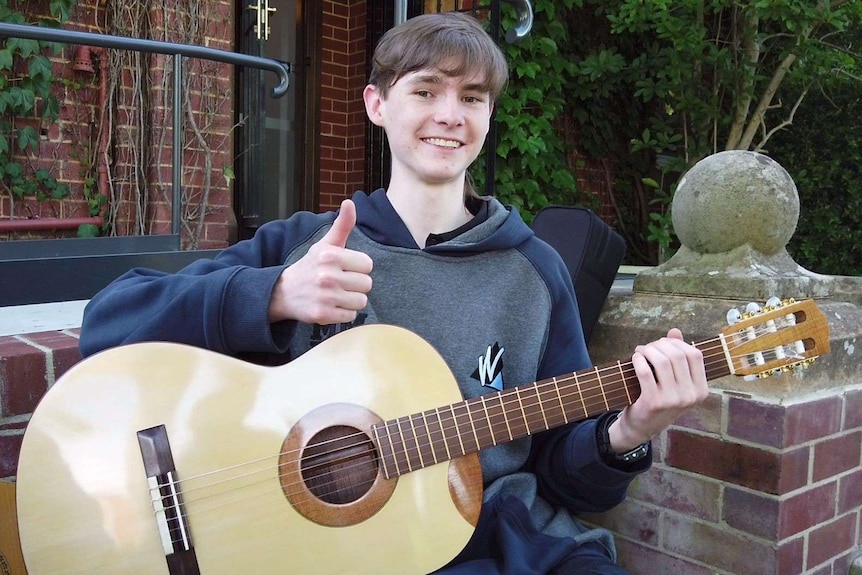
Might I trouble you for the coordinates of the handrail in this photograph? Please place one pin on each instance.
(281, 69)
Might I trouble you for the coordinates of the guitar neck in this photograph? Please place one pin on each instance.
(415, 441)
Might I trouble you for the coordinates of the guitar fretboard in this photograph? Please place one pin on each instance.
(415, 441)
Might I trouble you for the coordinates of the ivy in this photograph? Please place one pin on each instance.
(26, 80)
(532, 169)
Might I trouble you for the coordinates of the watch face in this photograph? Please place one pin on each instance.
(635, 454)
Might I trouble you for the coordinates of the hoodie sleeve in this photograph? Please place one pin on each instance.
(219, 304)
(566, 461)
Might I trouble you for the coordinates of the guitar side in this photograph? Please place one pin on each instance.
(84, 503)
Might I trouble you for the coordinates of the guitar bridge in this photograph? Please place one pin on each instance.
(167, 501)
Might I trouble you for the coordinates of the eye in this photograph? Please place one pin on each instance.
(423, 93)
(473, 99)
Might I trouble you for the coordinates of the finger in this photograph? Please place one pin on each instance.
(674, 334)
(342, 226)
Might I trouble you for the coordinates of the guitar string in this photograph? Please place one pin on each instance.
(313, 496)
(589, 398)
(407, 449)
(614, 368)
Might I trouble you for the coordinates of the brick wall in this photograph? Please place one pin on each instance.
(29, 366)
(138, 184)
(747, 486)
(342, 112)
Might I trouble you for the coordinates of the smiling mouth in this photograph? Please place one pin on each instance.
(443, 143)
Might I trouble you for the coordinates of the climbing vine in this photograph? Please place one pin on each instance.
(27, 104)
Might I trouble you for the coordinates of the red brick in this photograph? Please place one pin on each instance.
(853, 409)
(690, 495)
(807, 509)
(812, 420)
(754, 421)
(836, 455)
(704, 417)
(22, 376)
(630, 518)
(64, 350)
(831, 540)
(10, 449)
(739, 464)
(850, 492)
(724, 550)
(641, 560)
(751, 512)
(791, 557)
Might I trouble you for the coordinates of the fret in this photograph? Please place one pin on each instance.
(458, 431)
(408, 442)
(488, 418)
(432, 433)
(602, 389)
(560, 398)
(416, 440)
(443, 434)
(395, 452)
(539, 401)
(469, 404)
(502, 407)
(625, 385)
(526, 421)
(581, 395)
(463, 428)
(554, 415)
(385, 454)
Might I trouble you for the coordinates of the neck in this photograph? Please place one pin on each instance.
(429, 209)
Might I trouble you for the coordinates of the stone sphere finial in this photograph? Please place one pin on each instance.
(735, 198)
(734, 213)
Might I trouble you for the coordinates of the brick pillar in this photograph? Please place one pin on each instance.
(342, 112)
(765, 477)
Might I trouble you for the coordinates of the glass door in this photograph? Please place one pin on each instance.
(266, 187)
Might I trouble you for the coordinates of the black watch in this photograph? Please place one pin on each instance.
(603, 439)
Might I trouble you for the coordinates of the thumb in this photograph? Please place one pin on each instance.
(342, 226)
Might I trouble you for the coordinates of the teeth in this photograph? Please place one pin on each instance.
(444, 143)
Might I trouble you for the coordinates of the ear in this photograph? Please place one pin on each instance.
(490, 108)
(373, 104)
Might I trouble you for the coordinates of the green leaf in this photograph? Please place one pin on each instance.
(28, 138)
(40, 67)
(51, 110)
(88, 231)
(5, 59)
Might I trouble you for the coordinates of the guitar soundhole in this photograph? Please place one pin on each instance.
(339, 465)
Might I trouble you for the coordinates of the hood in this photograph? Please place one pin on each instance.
(504, 228)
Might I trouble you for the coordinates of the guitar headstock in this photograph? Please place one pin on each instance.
(780, 336)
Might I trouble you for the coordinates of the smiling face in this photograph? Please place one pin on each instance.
(435, 123)
(433, 82)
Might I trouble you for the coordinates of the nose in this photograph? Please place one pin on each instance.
(449, 110)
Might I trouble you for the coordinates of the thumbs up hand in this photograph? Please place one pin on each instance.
(329, 283)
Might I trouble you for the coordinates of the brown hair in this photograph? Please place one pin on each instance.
(430, 41)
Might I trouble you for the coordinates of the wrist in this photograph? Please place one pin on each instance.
(622, 437)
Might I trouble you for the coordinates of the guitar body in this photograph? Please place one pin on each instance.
(236, 432)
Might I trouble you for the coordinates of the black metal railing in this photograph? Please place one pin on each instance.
(35, 271)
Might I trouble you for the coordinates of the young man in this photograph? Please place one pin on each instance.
(463, 272)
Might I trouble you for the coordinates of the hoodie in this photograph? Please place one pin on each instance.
(495, 301)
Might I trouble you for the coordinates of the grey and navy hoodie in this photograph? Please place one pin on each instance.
(493, 292)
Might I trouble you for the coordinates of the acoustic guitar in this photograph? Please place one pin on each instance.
(358, 457)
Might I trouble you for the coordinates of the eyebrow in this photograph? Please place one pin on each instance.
(437, 79)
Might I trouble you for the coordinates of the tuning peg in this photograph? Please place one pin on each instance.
(733, 316)
(752, 309)
(773, 303)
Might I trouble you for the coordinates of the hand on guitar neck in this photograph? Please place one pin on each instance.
(672, 379)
